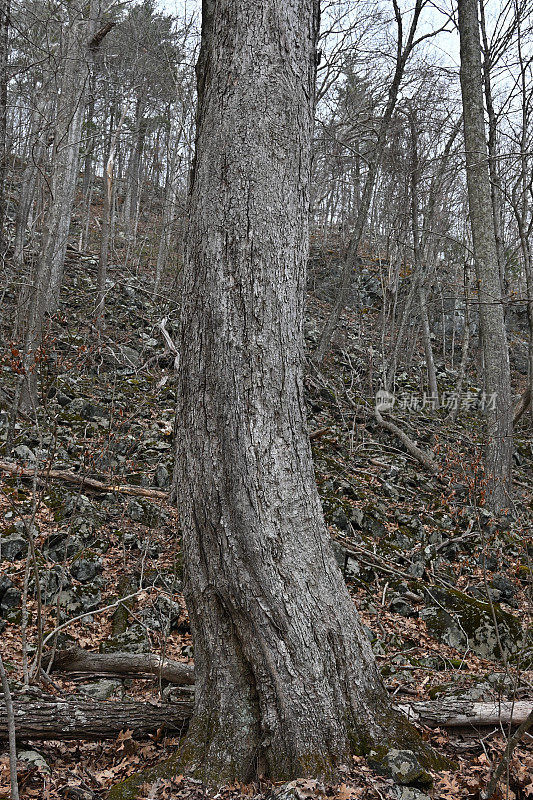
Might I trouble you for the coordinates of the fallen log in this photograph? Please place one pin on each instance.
(423, 458)
(456, 713)
(81, 480)
(91, 720)
(78, 660)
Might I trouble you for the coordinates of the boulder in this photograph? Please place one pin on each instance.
(462, 622)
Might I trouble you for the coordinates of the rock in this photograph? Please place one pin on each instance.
(79, 599)
(502, 584)
(61, 546)
(407, 793)
(24, 453)
(11, 599)
(135, 511)
(102, 689)
(463, 622)
(133, 640)
(34, 760)
(161, 477)
(5, 584)
(86, 569)
(406, 769)
(400, 606)
(13, 547)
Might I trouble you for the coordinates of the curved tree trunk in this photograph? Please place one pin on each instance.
(286, 683)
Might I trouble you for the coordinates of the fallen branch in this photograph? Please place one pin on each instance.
(91, 720)
(81, 480)
(462, 714)
(318, 433)
(423, 458)
(78, 660)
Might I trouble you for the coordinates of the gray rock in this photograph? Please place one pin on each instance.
(11, 599)
(463, 622)
(502, 584)
(79, 599)
(60, 546)
(135, 511)
(407, 793)
(34, 760)
(102, 689)
(406, 769)
(24, 453)
(400, 606)
(86, 569)
(133, 640)
(161, 477)
(13, 547)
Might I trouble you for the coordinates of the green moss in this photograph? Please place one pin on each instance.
(130, 788)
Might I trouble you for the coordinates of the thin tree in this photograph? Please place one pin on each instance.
(498, 417)
(286, 682)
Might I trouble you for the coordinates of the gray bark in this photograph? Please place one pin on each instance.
(498, 420)
(4, 79)
(286, 683)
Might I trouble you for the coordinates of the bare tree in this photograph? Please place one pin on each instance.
(491, 315)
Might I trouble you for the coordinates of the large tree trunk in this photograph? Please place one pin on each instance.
(286, 683)
(491, 314)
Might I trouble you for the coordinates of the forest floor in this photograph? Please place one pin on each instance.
(429, 568)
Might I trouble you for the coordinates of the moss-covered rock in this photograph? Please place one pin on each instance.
(459, 621)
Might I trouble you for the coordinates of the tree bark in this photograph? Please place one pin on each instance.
(498, 418)
(4, 79)
(286, 683)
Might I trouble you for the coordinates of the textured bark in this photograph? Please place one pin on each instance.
(4, 79)
(90, 720)
(286, 683)
(498, 420)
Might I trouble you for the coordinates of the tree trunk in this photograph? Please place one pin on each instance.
(498, 418)
(286, 683)
(4, 79)
(419, 258)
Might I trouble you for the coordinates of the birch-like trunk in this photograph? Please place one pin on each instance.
(498, 417)
(286, 683)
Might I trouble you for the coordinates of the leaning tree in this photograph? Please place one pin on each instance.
(286, 682)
